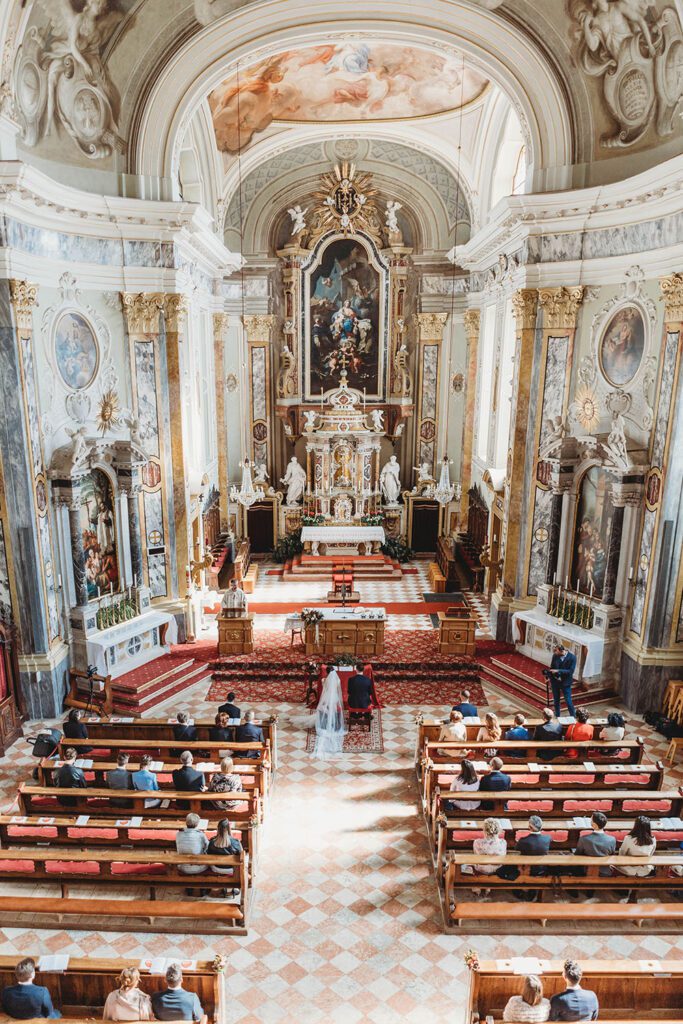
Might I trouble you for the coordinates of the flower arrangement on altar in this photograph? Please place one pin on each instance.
(471, 959)
(311, 616)
(372, 520)
(316, 520)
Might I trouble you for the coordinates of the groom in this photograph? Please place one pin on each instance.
(360, 690)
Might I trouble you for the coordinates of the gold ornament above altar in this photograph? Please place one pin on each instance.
(346, 202)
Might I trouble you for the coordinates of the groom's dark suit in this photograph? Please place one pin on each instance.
(360, 692)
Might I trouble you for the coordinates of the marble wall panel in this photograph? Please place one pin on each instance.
(5, 593)
(154, 537)
(259, 396)
(146, 387)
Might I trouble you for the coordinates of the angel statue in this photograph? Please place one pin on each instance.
(260, 474)
(377, 420)
(310, 415)
(79, 447)
(298, 219)
(390, 220)
(133, 423)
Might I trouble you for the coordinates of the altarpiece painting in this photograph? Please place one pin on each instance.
(98, 532)
(594, 512)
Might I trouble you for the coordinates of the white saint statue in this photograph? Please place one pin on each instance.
(391, 222)
(260, 474)
(295, 478)
(390, 482)
(445, 478)
(234, 604)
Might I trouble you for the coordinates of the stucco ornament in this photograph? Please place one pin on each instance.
(638, 54)
(60, 77)
(208, 11)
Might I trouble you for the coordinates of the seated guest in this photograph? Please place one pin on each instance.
(535, 844)
(518, 731)
(548, 731)
(465, 706)
(580, 730)
(597, 843)
(69, 777)
(638, 843)
(182, 730)
(249, 733)
(128, 1002)
(190, 840)
(25, 1000)
(119, 778)
(360, 690)
(225, 781)
(221, 731)
(614, 730)
(495, 781)
(490, 732)
(530, 1006)
(575, 1003)
(75, 729)
(230, 708)
(187, 779)
(146, 780)
(454, 731)
(223, 845)
(491, 844)
(174, 1002)
(466, 782)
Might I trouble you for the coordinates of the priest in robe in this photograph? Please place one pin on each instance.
(234, 603)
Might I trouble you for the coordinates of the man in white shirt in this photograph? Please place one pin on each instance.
(234, 603)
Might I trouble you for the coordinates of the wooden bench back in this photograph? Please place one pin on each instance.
(428, 728)
(253, 776)
(98, 802)
(161, 728)
(163, 749)
(588, 750)
(550, 803)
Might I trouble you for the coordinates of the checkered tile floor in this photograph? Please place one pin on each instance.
(346, 924)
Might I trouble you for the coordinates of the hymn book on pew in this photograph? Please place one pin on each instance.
(57, 963)
(160, 964)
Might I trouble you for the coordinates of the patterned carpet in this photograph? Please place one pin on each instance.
(358, 739)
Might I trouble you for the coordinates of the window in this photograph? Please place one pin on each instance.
(505, 377)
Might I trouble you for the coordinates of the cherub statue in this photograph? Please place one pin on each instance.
(377, 420)
(298, 219)
(79, 446)
(310, 415)
(391, 222)
(260, 474)
(133, 424)
(424, 473)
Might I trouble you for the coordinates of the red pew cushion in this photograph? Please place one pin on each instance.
(558, 835)
(27, 866)
(72, 867)
(32, 831)
(92, 833)
(622, 780)
(558, 779)
(137, 869)
(660, 806)
(530, 805)
(464, 836)
(527, 780)
(588, 805)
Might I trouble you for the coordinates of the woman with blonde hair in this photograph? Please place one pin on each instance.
(530, 1007)
(225, 781)
(490, 732)
(491, 844)
(128, 1002)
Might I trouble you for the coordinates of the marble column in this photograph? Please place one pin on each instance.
(175, 322)
(77, 553)
(472, 327)
(554, 536)
(259, 329)
(430, 337)
(613, 553)
(134, 535)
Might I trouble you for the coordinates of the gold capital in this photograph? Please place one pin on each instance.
(525, 308)
(431, 325)
(24, 296)
(258, 326)
(141, 310)
(472, 324)
(220, 324)
(560, 307)
(672, 292)
(175, 312)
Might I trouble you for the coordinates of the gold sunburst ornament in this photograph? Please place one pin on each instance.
(585, 408)
(108, 411)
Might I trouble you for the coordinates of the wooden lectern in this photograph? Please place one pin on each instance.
(235, 634)
(457, 627)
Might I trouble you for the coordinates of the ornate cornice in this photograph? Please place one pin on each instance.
(24, 297)
(258, 326)
(431, 325)
(672, 292)
(141, 310)
(525, 308)
(560, 307)
(220, 324)
(472, 320)
(176, 308)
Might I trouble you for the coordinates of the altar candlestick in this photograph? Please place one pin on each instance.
(111, 588)
(630, 573)
(566, 583)
(363, 398)
(322, 404)
(592, 588)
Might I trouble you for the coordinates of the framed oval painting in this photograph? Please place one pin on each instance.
(622, 345)
(76, 350)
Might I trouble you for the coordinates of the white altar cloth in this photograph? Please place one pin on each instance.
(343, 534)
(125, 647)
(358, 612)
(572, 636)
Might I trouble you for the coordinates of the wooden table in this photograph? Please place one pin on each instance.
(235, 634)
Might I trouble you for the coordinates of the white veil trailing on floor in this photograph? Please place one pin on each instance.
(330, 727)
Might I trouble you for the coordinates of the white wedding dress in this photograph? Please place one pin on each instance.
(330, 727)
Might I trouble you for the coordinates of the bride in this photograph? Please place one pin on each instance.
(329, 718)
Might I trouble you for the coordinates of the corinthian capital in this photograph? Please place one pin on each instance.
(524, 308)
(220, 324)
(672, 292)
(560, 307)
(472, 323)
(258, 326)
(431, 325)
(175, 312)
(141, 310)
(24, 296)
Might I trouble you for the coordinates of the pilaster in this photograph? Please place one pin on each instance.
(220, 326)
(472, 329)
(175, 322)
(259, 328)
(430, 337)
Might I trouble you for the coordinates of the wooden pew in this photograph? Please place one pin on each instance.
(161, 728)
(659, 917)
(438, 778)
(81, 990)
(627, 990)
(255, 777)
(147, 869)
(558, 877)
(588, 750)
(454, 835)
(550, 803)
(42, 800)
(151, 834)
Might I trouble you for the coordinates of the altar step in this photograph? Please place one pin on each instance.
(523, 680)
(151, 684)
(320, 568)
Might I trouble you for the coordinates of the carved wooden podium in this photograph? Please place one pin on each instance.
(457, 627)
(363, 638)
(235, 634)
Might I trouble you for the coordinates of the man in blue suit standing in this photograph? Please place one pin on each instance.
(25, 1001)
(561, 675)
